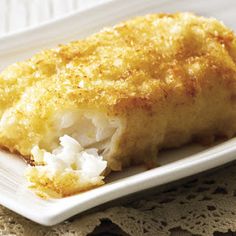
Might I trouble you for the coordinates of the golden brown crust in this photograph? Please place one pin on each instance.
(61, 185)
(137, 66)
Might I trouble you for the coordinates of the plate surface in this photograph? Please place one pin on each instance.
(174, 164)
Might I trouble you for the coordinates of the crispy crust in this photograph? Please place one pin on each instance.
(61, 185)
(143, 71)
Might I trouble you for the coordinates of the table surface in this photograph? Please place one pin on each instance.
(18, 14)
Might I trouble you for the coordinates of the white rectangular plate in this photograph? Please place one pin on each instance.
(174, 164)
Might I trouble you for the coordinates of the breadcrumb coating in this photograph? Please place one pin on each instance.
(168, 78)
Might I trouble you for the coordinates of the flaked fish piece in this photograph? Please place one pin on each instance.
(152, 82)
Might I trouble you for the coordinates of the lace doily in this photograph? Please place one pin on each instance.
(202, 206)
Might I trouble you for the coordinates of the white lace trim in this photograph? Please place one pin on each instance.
(200, 207)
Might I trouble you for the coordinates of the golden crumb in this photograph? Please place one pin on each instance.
(162, 79)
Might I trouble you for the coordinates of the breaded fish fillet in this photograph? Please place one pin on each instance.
(119, 96)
